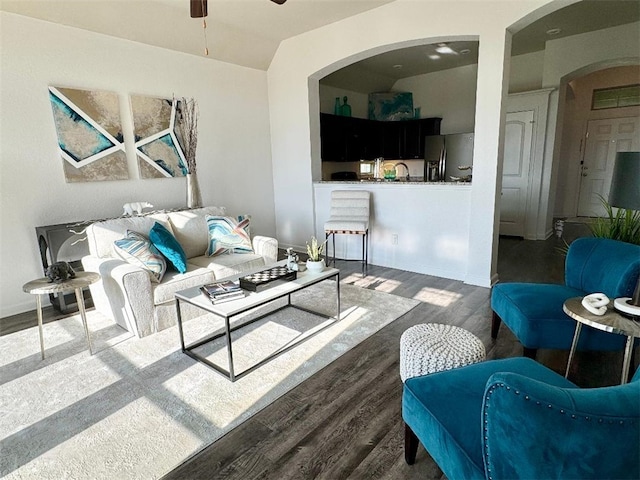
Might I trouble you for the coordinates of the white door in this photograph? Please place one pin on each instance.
(518, 137)
(604, 138)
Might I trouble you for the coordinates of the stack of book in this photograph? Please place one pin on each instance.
(222, 291)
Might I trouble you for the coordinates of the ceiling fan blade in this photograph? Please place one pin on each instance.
(279, 2)
(198, 8)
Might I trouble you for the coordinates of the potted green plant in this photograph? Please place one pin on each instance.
(315, 262)
(622, 224)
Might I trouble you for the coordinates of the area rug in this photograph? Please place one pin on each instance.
(137, 408)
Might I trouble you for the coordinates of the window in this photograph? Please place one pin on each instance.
(616, 97)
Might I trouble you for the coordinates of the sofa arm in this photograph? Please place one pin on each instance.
(124, 293)
(266, 247)
(536, 430)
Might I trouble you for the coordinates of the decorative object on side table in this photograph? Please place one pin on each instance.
(315, 262)
(59, 272)
(625, 194)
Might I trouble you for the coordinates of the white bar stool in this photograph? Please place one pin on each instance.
(349, 215)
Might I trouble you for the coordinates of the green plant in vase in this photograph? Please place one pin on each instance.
(315, 263)
(315, 249)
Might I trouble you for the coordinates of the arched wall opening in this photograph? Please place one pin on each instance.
(360, 109)
(575, 115)
(464, 243)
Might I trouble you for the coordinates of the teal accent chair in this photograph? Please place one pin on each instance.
(515, 418)
(533, 311)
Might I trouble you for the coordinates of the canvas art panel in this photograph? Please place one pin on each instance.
(158, 143)
(391, 106)
(89, 132)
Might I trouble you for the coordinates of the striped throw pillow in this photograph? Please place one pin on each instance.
(137, 250)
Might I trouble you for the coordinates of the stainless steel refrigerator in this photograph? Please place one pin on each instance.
(443, 154)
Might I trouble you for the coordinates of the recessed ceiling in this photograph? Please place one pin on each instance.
(581, 17)
(379, 73)
(376, 74)
(248, 32)
(243, 32)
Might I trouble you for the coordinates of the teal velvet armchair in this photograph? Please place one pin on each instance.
(533, 311)
(516, 419)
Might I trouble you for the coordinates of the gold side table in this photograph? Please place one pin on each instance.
(611, 322)
(43, 286)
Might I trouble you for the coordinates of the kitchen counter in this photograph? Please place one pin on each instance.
(415, 226)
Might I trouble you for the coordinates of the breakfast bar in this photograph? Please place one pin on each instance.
(416, 226)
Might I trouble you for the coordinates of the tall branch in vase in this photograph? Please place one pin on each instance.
(188, 113)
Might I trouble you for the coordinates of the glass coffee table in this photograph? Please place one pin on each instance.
(228, 310)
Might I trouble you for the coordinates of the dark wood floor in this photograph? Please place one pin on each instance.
(345, 421)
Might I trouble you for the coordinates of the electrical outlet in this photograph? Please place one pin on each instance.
(394, 239)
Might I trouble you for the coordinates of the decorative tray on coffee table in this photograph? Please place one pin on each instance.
(255, 281)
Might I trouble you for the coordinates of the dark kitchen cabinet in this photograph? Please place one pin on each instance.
(349, 139)
(342, 139)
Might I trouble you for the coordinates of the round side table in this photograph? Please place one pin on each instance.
(43, 286)
(611, 322)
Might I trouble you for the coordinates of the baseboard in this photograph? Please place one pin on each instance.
(480, 281)
(26, 306)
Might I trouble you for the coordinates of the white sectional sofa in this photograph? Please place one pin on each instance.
(126, 292)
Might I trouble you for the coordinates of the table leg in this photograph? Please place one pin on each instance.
(39, 306)
(628, 351)
(232, 374)
(574, 345)
(180, 324)
(83, 315)
(338, 295)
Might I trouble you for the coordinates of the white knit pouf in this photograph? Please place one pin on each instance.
(434, 347)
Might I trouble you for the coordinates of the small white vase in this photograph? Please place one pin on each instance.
(315, 267)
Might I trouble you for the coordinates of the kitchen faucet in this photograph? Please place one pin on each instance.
(406, 168)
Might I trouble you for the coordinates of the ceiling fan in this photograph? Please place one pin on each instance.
(199, 7)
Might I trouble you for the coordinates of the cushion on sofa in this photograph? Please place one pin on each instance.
(190, 228)
(228, 235)
(175, 281)
(164, 241)
(226, 265)
(101, 235)
(136, 249)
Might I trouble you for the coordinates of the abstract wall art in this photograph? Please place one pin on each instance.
(391, 106)
(159, 147)
(89, 134)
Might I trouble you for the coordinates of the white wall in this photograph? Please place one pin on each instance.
(448, 94)
(234, 160)
(294, 104)
(526, 72)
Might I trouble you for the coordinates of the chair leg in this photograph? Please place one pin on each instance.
(364, 252)
(333, 238)
(495, 325)
(529, 352)
(410, 445)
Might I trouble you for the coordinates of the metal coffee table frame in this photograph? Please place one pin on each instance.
(231, 309)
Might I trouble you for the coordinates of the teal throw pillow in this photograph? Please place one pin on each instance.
(136, 249)
(164, 241)
(228, 235)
